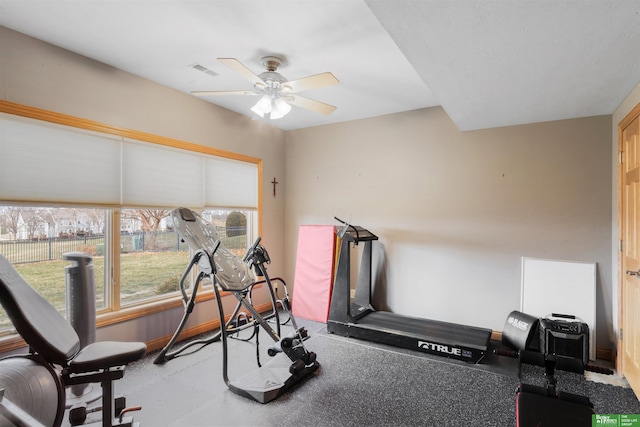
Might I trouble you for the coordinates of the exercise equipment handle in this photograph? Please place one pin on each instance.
(346, 227)
(252, 249)
(125, 410)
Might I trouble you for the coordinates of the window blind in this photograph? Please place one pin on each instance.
(51, 163)
(230, 183)
(160, 176)
(41, 162)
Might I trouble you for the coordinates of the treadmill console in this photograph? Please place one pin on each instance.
(354, 233)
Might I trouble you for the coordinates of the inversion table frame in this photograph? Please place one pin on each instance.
(290, 362)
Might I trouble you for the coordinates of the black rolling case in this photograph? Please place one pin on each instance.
(564, 335)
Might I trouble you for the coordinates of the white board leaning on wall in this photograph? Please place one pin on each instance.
(565, 287)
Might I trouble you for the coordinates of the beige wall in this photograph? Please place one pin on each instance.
(455, 211)
(40, 75)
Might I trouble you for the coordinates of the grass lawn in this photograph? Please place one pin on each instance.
(141, 274)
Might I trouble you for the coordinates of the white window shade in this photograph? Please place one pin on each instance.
(231, 183)
(44, 162)
(159, 176)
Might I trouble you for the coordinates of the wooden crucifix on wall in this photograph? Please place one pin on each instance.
(274, 182)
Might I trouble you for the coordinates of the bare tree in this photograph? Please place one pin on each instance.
(150, 220)
(11, 220)
(32, 220)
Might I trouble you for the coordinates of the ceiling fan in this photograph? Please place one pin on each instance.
(278, 94)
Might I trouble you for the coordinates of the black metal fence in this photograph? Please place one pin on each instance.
(24, 251)
(35, 250)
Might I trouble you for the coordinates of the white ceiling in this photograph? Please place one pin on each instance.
(488, 63)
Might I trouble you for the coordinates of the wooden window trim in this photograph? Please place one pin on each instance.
(117, 314)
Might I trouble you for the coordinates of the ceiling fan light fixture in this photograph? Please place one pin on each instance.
(263, 106)
(274, 106)
(279, 109)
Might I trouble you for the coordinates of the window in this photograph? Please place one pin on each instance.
(35, 240)
(152, 255)
(79, 186)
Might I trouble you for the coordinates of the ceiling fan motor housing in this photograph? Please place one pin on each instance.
(271, 63)
(273, 79)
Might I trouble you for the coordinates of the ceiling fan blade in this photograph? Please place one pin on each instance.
(222, 92)
(240, 68)
(311, 82)
(310, 104)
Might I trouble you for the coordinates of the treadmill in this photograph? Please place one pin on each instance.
(359, 319)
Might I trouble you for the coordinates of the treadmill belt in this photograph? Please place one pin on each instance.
(432, 330)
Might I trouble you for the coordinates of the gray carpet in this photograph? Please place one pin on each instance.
(358, 384)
